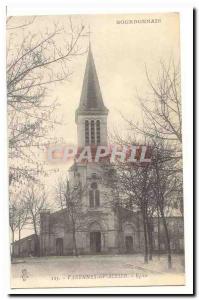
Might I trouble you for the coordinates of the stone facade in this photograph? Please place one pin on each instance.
(103, 233)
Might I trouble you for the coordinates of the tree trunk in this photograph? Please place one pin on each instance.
(149, 239)
(12, 248)
(120, 242)
(145, 239)
(19, 248)
(74, 244)
(158, 234)
(145, 245)
(160, 204)
(167, 238)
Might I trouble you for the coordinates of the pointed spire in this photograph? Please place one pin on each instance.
(91, 98)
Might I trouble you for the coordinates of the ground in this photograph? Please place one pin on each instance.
(73, 271)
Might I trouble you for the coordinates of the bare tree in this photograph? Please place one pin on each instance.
(154, 189)
(130, 185)
(136, 182)
(18, 219)
(13, 224)
(162, 106)
(35, 61)
(164, 185)
(161, 127)
(22, 218)
(35, 200)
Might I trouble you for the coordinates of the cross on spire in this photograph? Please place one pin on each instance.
(91, 98)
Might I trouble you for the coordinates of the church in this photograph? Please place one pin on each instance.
(102, 228)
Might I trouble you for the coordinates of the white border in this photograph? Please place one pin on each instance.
(112, 6)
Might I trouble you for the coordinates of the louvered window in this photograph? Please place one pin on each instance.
(87, 132)
(98, 131)
(91, 198)
(92, 132)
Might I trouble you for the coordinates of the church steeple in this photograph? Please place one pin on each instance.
(91, 115)
(91, 98)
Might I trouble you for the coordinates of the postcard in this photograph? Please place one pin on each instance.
(95, 150)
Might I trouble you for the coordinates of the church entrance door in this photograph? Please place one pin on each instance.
(59, 246)
(129, 244)
(95, 241)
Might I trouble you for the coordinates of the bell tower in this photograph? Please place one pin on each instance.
(91, 115)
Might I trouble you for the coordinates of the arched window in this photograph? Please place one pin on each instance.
(97, 199)
(98, 131)
(91, 198)
(92, 132)
(94, 196)
(87, 132)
